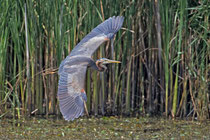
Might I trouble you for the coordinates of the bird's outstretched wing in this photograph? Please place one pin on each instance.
(88, 45)
(71, 82)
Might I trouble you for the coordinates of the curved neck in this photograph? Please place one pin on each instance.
(100, 66)
(89, 62)
(96, 65)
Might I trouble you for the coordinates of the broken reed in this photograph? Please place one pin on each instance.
(163, 46)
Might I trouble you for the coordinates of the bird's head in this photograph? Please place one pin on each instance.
(100, 63)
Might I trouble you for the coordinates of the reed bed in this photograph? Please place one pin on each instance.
(163, 46)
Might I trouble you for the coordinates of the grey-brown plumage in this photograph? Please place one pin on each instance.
(72, 70)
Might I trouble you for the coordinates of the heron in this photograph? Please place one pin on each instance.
(72, 71)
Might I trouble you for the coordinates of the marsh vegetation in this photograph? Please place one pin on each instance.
(104, 128)
(163, 46)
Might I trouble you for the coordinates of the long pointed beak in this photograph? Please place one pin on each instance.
(112, 61)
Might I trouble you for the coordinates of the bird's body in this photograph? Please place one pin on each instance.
(72, 70)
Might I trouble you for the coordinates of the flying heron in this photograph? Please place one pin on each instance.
(72, 70)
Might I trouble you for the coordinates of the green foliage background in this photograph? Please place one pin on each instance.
(163, 46)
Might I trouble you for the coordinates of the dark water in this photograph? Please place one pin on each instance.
(104, 128)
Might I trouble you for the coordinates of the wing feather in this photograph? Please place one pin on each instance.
(69, 91)
(88, 45)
